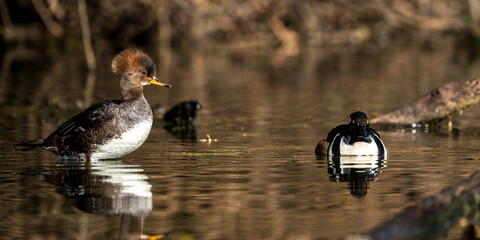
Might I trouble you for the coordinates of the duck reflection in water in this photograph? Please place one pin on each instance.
(111, 188)
(358, 171)
(181, 119)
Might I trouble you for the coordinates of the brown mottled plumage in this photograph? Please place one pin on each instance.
(110, 129)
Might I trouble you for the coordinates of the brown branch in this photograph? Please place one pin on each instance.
(475, 12)
(5, 15)
(7, 22)
(53, 27)
(86, 36)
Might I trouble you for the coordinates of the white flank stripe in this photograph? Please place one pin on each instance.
(384, 147)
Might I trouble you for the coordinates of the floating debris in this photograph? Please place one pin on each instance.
(208, 140)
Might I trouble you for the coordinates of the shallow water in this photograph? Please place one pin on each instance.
(257, 176)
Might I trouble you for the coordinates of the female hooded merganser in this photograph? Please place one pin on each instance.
(110, 129)
(354, 138)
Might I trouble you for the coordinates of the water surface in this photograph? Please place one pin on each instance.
(258, 177)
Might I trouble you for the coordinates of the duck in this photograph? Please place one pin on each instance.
(113, 128)
(353, 139)
(182, 114)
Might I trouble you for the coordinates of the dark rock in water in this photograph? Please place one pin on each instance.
(182, 114)
(321, 148)
(436, 215)
(436, 105)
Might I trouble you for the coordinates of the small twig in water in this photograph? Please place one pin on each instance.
(208, 140)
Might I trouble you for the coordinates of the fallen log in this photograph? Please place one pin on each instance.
(438, 104)
(435, 215)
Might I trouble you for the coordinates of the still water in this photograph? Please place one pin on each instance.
(250, 172)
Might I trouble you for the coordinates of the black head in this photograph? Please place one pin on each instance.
(358, 124)
(195, 105)
(183, 113)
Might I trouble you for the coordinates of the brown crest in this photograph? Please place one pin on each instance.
(131, 60)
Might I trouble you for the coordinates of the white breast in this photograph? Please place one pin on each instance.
(359, 148)
(126, 143)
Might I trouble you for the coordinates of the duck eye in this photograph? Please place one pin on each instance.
(367, 121)
(353, 121)
(144, 73)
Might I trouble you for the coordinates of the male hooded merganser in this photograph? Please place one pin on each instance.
(110, 129)
(354, 138)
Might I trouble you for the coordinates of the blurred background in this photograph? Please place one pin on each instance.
(272, 76)
(276, 36)
(204, 24)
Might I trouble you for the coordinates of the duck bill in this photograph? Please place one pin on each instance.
(154, 80)
(362, 131)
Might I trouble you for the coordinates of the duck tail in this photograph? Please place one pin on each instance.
(30, 145)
